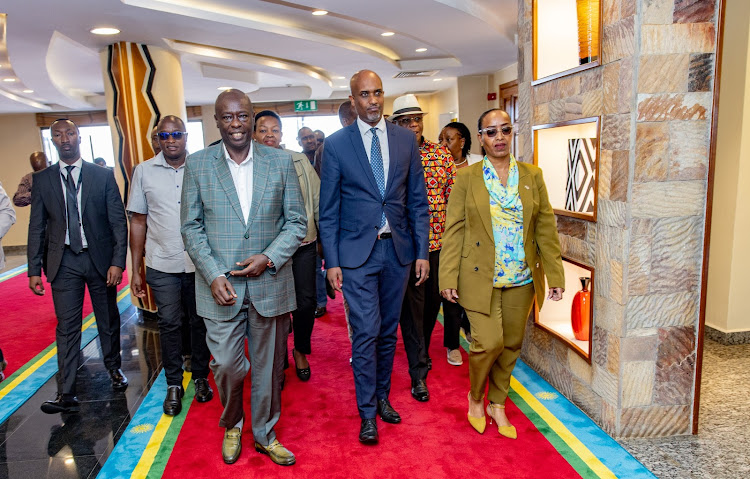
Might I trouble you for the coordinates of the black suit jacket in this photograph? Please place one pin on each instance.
(102, 214)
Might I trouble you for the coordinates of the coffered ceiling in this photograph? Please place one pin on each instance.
(273, 49)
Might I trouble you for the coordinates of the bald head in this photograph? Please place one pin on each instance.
(367, 96)
(38, 161)
(170, 119)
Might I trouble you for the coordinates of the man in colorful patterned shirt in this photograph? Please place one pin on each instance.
(422, 303)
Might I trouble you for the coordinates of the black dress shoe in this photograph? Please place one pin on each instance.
(173, 402)
(368, 432)
(119, 381)
(203, 392)
(62, 404)
(387, 413)
(320, 311)
(302, 373)
(419, 390)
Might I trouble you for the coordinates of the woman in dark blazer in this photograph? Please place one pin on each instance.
(500, 241)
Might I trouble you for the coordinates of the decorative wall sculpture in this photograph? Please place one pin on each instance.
(581, 183)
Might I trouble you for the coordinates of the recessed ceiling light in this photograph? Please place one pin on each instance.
(339, 78)
(343, 86)
(420, 50)
(104, 31)
(387, 34)
(222, 88)
(9, 80)
(436, 79)
(319, 13)
(28, 91)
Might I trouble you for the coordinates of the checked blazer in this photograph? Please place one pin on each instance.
(217, 236)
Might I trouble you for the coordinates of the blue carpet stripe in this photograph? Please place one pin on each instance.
(609, 452)
(23, 392)
(12, 273)
(127, 453)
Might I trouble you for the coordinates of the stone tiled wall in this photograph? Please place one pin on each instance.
(653, 92)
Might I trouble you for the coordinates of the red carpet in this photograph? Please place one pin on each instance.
(28, 322)
(319, 423)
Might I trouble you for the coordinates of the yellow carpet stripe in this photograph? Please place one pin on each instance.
(575, 444)
(11, 274)
(30, 370)
(152, 448)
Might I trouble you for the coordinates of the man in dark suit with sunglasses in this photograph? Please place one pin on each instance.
(78, 233)
(155, 197)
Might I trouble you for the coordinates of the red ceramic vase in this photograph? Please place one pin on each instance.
(580, 314)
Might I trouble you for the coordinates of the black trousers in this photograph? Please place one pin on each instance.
(303, 318)
(174, 295)
(76, 272)
(451, 311)
(412, 326)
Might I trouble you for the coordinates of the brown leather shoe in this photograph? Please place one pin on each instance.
(278, 453)
(232, 445)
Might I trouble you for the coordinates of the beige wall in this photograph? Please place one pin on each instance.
(20, 137)
(728, 281)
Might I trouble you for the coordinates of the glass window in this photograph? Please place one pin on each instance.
(96, 141)
(290, 125)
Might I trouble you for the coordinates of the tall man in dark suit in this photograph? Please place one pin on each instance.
(374, 224)
(78, 206)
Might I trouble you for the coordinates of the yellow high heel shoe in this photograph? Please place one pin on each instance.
(507, 431)
(478, 423)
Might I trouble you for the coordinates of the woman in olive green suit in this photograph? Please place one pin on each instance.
(500, 240)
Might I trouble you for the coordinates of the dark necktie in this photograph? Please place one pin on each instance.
(71, 201)
(376, 163)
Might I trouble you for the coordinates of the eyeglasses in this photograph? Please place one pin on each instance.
(177, 135)
(491, 131)
(406, 121)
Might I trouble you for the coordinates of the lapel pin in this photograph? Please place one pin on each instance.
(527, 186)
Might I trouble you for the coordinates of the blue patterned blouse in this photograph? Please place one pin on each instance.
(507, 227)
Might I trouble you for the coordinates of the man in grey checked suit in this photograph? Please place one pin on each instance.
(243, 217)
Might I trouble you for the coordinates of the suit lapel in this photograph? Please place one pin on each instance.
(56, 185)
(527, 198)
(482, 198)
(226, 182)
(359, 148)
(86, 174)
(390, 130)
(260, 177)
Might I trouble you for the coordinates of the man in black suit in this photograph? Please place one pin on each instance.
(78, 206)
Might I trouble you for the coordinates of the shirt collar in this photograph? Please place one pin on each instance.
(364, 127)
(78, 164)
(246, 160)
(161, 161)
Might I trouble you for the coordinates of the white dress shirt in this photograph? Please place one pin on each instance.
(76, 179)
(242, 175)
(364, 130)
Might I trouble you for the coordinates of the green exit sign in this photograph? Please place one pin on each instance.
(306, 105)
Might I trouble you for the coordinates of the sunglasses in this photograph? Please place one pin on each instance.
(177, 135)
(491, 132)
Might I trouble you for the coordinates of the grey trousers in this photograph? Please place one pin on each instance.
(226, 340)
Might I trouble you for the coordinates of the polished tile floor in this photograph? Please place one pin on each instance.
(34, 444)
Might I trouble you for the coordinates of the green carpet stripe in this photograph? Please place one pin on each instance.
(561, 446)
(170, 438)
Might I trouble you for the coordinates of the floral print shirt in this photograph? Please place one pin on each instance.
(507, 227)
(439, 174)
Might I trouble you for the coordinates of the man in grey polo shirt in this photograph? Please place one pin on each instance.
(155, 224)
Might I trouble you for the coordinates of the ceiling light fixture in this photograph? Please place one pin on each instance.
(339, 78)
(319, 13)
(420, 50)
(28, 91)
(436, 79)
(223, 88)
(105, 31)
(387, 34)
(9, 80)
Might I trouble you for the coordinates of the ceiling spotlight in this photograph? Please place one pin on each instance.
(105, 31)
(28, 91)
(223, 88)
(339, 78)
(387, 34)
(420, 50)
(9, 80)
(436, 79)
(319, 13)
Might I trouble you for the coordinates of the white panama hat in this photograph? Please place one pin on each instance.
(406, 105)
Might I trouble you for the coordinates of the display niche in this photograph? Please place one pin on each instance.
(568, 154)
(572, 318)
(566, 37)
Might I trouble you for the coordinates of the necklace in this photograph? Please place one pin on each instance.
(457, 164)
